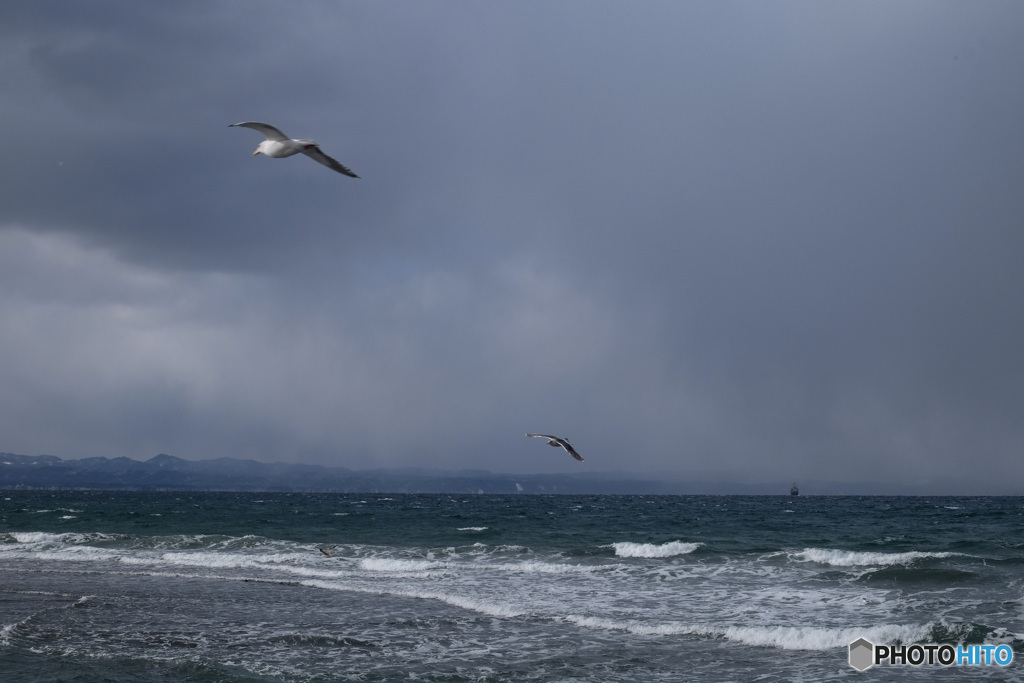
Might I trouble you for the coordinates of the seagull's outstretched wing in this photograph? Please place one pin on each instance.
(315, 153)
(268, 130)
(569, 449)
(557, 441)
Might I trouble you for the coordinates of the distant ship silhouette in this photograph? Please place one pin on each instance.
(794, 490)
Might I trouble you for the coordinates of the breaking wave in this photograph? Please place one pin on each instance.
(652, 550)
(782, 637)
(852, 558)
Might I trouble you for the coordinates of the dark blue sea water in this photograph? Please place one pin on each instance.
(103, 586)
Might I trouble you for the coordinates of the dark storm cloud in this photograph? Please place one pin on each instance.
(742, 241)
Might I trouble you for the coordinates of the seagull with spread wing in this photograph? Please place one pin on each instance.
(278, 145)
(560, 443)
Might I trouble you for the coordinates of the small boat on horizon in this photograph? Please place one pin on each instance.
(794, 490)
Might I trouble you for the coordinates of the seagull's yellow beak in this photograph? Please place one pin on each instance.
(256, 152)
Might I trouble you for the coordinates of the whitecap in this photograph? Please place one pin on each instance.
(77, 553)
(42, 537)
(213, 560)
(652, 550)
(538, 567)
(385, 564)
(37, 537)
(482, 606)
(814, 638)
(5, 632)
(782, 637)
(853, 558)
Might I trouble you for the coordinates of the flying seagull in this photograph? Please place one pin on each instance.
(561, 443)
(328, 550)
(279, 146)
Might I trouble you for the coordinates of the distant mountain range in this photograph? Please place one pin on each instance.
(168, 473)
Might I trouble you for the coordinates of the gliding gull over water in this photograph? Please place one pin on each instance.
(278, 145)
(561, 443)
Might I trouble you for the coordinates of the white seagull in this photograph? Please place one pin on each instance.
(278, 145)
(561, 443)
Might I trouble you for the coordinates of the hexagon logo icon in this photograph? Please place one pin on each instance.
(862, 652)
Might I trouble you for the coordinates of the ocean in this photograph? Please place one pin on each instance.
(116, 586)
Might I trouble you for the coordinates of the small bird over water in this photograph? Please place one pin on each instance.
(561, 443)
(278, 145)
(328, 551)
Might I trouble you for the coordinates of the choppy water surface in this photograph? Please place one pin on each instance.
(231, 587)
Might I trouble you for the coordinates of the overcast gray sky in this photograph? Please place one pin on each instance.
(732, 240)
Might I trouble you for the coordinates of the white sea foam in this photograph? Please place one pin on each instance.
(538, 567)
(472, 528)
(74, 553)
(782, 637)
(852, 558)
(510, 549)
(214, 560)
(37, 537)
(384, 564)
(482, 606)
(307, 572)
(653, 550)
(40, 537)
(244, 559)
(7, 629)
(187, 541)
(1001, 636)
(814, 638)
